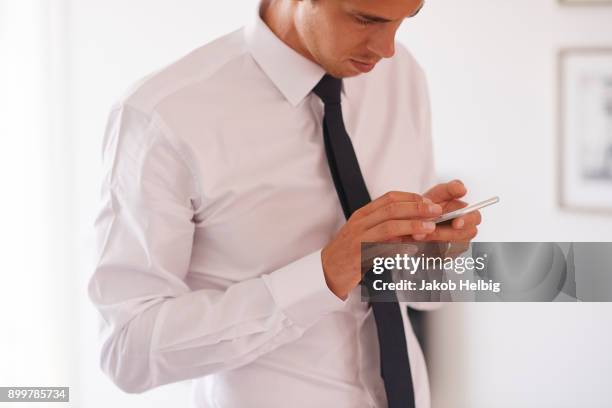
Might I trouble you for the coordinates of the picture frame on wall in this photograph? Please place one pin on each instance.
(585, 129)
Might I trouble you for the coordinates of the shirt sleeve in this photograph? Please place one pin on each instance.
(155, 329)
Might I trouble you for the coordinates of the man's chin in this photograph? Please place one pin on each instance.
(345, 72)
(342, 70)
(353, 74)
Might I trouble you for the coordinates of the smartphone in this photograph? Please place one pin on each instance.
(448, 217)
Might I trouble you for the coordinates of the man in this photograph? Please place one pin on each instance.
(225, 253)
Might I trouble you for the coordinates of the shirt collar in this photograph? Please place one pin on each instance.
(293, 74)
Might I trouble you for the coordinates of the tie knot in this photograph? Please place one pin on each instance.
(328, 89)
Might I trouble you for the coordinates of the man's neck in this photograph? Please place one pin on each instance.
(279, 16)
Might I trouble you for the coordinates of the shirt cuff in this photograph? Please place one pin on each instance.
(300, 290)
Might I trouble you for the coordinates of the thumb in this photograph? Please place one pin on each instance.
(446, 191)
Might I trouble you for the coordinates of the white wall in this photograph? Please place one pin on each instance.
(491, 66)
(492, 73)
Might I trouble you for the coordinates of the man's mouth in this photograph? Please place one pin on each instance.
(363, 66)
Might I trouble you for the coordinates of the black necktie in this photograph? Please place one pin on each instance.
(353, 194)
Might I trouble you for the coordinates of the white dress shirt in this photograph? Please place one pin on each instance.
(216, 202)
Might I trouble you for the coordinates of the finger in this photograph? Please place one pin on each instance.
(449, 234)
(386, 199)
(401, 210)
(459, 223)
(470, 219)
(397, 228)
(453, 205)
(446, 191)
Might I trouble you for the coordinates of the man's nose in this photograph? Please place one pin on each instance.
(382, 42)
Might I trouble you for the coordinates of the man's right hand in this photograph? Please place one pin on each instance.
(392, 217)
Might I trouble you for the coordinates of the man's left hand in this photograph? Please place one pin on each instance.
(462, 229)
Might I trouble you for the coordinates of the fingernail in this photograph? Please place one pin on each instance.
(460, 224)
(429, 226)
(435, 208)
(427, 200)
(419, 237)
